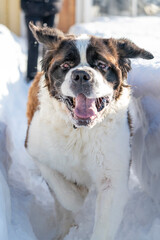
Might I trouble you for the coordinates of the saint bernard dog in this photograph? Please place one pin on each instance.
(79, 122)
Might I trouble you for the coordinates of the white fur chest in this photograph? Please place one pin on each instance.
(77, 153)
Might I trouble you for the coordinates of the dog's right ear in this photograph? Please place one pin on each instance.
(47, 36)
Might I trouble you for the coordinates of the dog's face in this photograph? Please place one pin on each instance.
(84, 72)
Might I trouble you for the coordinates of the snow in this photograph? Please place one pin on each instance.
(27, 209)
(4, 208)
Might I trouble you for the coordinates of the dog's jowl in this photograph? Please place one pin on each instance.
(78, 130)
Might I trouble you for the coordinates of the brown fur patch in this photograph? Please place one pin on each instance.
(130, 123)
(26, 139)
(105, 48)
(33, 102)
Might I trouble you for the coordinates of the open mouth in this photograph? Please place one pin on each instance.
(86, 110)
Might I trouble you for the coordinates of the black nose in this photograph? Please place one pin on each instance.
(80, 76)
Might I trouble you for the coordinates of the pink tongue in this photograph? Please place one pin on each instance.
(85, 107)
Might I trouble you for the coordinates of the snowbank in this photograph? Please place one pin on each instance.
(26, 205)
(4, 208)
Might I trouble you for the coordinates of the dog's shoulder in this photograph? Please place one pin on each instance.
(33, 101)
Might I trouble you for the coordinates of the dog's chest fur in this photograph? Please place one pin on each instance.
(76, 153)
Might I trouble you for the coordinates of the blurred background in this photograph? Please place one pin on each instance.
(79, 11)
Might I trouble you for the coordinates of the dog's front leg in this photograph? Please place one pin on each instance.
(68, 194)
(111, 199)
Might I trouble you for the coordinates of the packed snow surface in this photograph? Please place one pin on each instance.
(27, 209)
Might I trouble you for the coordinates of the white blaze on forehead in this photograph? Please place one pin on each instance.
(82, 43)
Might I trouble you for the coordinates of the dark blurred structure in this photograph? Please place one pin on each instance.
(40, 12)
(127, 7)
(112, 7)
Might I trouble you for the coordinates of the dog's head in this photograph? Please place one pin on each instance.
(86, 73)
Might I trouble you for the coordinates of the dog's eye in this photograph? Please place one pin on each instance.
(65, 66)
(102, 66)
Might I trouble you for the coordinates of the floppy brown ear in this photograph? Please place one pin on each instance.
(128, 49)
(45, 35)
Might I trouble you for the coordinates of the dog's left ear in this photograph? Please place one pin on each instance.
(127, 49)
(47, 36)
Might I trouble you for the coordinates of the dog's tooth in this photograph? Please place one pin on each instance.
(104, 101)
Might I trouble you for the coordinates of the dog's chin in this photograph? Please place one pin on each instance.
(89, 122)
(86, 112)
